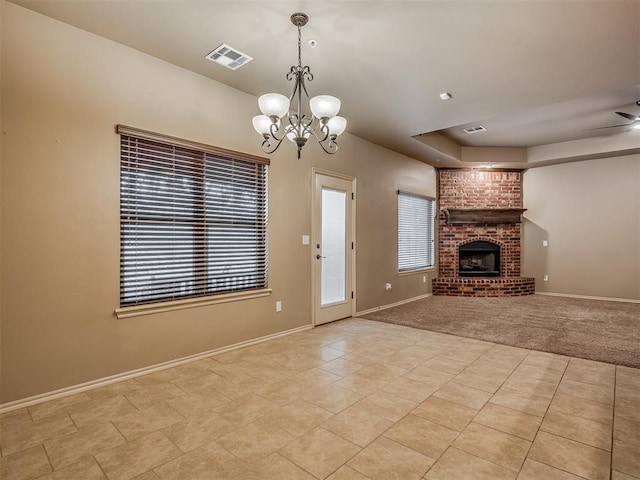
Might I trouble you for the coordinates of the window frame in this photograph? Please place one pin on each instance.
(430, 235)
(200, 218)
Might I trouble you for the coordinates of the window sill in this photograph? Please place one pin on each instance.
(416, 272)
(138, 310)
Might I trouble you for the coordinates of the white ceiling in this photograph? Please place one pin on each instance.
(535, 73)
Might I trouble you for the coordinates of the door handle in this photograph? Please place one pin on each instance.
(318, 256)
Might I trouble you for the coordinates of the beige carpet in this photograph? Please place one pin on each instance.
(592, 329)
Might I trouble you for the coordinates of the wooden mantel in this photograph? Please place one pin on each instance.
(485, 216)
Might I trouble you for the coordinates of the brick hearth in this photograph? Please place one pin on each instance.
(475, 189)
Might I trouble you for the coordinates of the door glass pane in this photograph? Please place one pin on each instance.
(334, 247)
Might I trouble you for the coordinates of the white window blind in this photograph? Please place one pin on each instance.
(415, 232)
(193, 219)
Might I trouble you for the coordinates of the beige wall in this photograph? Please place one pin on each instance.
(590, 214)
(63, 92)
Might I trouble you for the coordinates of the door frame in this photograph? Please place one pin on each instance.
(315, 264)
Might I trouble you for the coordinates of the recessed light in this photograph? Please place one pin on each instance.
(445, 96)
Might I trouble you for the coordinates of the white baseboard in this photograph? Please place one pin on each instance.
(589, 297)
(384, 307)
(101, 382)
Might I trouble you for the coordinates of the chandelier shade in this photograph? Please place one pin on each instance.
(337, 125)
(262, 124)
(324, 106)
(273, 105)
(323, 123)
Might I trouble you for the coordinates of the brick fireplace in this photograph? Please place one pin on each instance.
(479, 234)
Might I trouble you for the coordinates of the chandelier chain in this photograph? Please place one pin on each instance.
(299, 48)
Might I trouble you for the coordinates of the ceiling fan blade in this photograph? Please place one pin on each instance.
(612, 126)
(628, 116)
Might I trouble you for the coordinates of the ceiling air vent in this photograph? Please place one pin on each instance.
(228, 57)
(476, 129)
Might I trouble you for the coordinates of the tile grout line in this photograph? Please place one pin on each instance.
(545, 415)
(479, 410)
(494, 393)
(99, 466)
(582, 418)
(293, 439)
(48, 458)
(387, 429)
(361, 449)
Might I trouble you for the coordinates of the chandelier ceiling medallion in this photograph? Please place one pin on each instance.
(324, 123)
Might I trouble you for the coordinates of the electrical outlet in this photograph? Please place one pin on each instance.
(278, 306)
(424, 279)
(387, 286)
(545, 278)
(545, 243)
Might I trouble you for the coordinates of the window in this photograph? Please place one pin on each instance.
(193, 219)
(415, 232)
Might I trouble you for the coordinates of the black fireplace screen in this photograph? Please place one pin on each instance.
(479, 259)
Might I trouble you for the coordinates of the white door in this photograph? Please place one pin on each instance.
(333, 248)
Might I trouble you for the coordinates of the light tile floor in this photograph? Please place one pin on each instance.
(352, 400)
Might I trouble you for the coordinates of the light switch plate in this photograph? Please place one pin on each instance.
(305, 239)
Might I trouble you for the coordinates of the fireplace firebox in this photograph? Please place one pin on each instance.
(479, 259)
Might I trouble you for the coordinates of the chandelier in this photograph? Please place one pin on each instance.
(324, 124)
